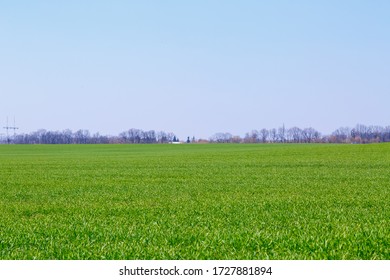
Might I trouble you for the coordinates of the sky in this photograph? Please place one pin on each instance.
(194, 68)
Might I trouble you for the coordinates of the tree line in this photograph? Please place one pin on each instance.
(82, 136)
(359, 134)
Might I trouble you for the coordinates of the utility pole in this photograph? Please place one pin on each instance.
(14, 128)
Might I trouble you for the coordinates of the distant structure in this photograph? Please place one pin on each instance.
(175, 140)
(14, 128)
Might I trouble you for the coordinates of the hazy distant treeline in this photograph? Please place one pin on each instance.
(134, 136)
(359, 134)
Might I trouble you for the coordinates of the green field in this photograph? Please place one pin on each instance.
(242, 201)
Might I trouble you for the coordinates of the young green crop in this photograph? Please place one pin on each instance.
(195, 201)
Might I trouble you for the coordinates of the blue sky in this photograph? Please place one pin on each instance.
(194, 67)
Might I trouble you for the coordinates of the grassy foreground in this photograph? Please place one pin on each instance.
(195, 201)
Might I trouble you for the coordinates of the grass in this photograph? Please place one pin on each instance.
(195, 201)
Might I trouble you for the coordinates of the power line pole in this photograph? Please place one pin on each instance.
(14, 128)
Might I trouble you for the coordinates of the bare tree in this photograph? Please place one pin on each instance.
(263, 135)
(310, 135)
(282, 134)
(273, 134)
(295, 134)
(252, 137)
(221, 137)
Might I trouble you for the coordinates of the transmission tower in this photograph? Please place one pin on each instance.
(14, 128)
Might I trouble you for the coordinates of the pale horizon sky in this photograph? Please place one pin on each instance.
(194, 68)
